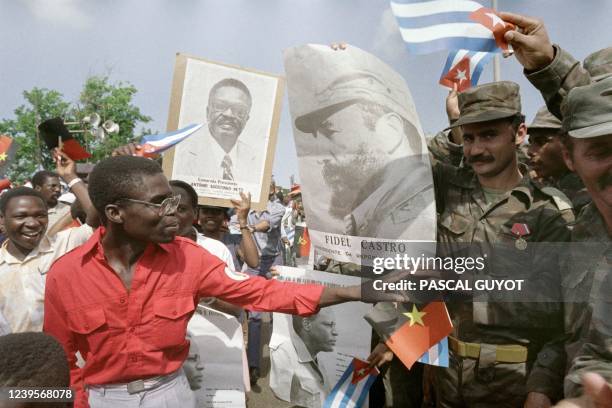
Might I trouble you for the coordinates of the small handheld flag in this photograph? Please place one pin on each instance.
(8, 148)
(408, 331)
(463, 68)
(352, 388)
(155, 144)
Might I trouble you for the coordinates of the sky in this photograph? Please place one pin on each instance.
(57, 44)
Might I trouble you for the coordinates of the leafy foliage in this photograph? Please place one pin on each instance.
(112, 101)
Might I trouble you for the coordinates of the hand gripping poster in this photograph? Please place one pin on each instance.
(366, 178)
(308, 355)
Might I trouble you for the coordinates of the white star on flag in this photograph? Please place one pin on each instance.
(460, 76)
(495, 20)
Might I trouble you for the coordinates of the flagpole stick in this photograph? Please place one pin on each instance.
(496, 62)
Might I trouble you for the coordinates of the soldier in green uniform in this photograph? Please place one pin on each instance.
(586, 98)
(502, 354)
(546, 159)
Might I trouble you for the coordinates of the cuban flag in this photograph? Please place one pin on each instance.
(463, 68)
(430, 26)
(352, 388)
(155, 144)
(436, 355)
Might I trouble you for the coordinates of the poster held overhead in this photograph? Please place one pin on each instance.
(234, 150)
(365, 175)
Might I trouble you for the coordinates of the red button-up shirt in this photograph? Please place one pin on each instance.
(127, 335)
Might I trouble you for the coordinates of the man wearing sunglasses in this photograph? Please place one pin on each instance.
(124, 298)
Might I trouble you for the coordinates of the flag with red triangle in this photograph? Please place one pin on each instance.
(490, 19)
(353, 387)
(463, 67)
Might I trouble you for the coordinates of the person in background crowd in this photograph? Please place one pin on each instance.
(28, 252)
(546, 159)
(48, 184)
(124, 298)
(266, 227)
(33, 360)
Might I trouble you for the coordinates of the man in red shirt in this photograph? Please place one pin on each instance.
(124, 298)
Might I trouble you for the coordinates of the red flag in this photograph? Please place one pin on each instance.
(74, 150)
(303, 241)
(420, 331)
(459, 74)
(490, 19)
(8, 148)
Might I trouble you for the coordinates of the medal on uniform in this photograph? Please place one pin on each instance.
(520, 230)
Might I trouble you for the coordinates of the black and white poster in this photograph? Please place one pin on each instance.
(214, 366)
(234, 150)
(308, 355)
(362, 155)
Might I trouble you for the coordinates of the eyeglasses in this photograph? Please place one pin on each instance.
(241, 112)
(168, 206)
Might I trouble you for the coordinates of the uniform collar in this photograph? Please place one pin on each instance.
(466, 178)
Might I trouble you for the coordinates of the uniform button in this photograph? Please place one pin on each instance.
(174, 312)
(86, 327)
(122, 300)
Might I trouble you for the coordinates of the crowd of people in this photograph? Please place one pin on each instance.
(113, 278)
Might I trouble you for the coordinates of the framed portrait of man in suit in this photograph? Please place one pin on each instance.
(234, 150)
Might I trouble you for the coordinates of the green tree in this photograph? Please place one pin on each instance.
(41, 104)
(112, 101)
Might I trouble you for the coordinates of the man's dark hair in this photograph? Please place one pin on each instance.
(117, 177)
(19, 192)
(41, 177)
(566, 140)
(32, 360)
(193, 196)
(516, 121)
(234, 83)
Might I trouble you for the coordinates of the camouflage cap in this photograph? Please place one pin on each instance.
(599, 64)
(348, 89)
(483, 103)
(545, 120)
(588, 110)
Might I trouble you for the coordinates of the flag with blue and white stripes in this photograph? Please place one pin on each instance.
(436, 355)
(430, 26)
(353, 387)
(476, 61)
(155, 144)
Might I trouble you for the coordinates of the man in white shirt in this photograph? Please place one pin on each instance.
(27, 253)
